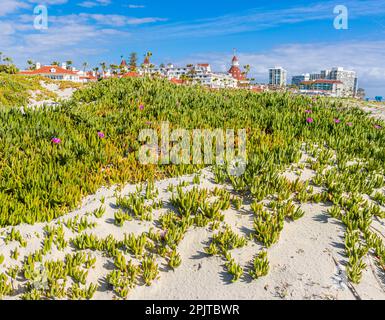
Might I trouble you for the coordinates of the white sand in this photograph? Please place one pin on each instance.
(306, 263)
(62, 95)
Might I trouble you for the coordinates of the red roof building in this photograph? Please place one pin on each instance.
(88, 77)
(53, 72)
(177, 81)
(235, 71)
(146, 60)
(48, 70)
(130, 74)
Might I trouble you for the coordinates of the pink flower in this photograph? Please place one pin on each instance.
(309, 120)
(337, 121)
(141, 107)
(308, 111)
(148, 123)
(101, 135)
(377, 126)
(56, 140)
(349, 124)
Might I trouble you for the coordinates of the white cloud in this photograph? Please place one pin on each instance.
(6, 29)
(49, 2)
(11, 6)
(135, 6)
(96, 3)
(113, 19)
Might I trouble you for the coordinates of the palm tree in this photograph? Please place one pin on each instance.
(69, 64)
(96, 70)
(31, 65)
(104, 67)
(85, 65)
(247, 69)
(114, 69)
(55, 63)
(8, 60)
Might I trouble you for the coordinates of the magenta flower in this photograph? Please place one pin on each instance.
(308, 111)
(337, 121)
(101, 135)
(309, 120)
(55, 140)
(377, 126)
(141, 107)
(349, 124)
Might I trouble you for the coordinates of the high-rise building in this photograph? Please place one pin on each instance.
(296, 80)
(348, 78)
(277, 76)
(325, 74)
(315, 76)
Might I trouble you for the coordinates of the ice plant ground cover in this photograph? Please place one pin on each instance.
(95, 144)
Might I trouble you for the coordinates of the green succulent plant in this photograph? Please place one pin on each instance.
(77, 293)
(174, 260)
(99, 213)
(234, 269)
(5, 286)
(261, 266)
(224, 241)
(15, 235)
(150, 269)
(135, 245)
(237, 203)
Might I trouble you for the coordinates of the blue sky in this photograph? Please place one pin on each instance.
(298, 35)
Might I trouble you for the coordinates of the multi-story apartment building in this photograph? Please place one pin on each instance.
(315, 76)
(346, 77)
(277, 77)
(296, 80)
